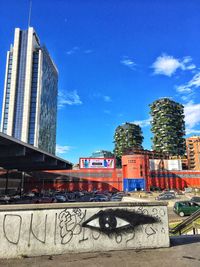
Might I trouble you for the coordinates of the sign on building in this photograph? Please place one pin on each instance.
(94, 163)
(166, 164)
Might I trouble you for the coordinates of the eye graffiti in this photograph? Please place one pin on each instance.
(117, 221)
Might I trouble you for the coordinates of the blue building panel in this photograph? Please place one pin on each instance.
(134, 184)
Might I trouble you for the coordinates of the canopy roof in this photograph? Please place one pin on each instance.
(15, 154)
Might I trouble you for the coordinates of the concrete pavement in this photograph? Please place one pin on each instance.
(184, 252)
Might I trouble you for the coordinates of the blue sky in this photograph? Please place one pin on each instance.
(114, 57)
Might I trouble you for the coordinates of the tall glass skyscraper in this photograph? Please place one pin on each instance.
(30, 92)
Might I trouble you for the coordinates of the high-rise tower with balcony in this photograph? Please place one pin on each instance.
(127, 136)
(168, 127)
(193, 152)
(29, 107)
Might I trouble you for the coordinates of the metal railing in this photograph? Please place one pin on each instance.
(186, 225)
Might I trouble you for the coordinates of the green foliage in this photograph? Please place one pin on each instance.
(168, 126)
(126, 136)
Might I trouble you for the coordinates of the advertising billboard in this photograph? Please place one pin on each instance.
(166, 164)
(174, 164)
(94, 163)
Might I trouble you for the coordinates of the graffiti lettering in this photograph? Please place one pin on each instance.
(55, 228)
(118, 238)
(70, 224)
(133, 236)
(37, 229)
(12, 228)
(149, 230)
(95, 235)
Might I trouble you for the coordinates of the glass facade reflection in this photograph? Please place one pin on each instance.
(47, 122)
(34, 82)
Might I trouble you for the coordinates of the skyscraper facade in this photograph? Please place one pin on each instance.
(168, 126)
(29, 107)
(193, 152)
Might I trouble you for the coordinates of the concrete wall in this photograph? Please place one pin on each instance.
(28, 230)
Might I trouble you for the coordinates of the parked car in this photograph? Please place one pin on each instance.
(116, 198)
(155, 188)
(121, 193)
(168, 192)
(183, 208)
(188, 190)
(86, 198)
(100, 198)
(21, 201)
(165, 196)
(41, 200)
(179, 192)
(60, 198)
(195, 199)
(3, 202)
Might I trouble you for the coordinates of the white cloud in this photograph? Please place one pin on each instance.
(188, 89)
(128, 62)
(183, 89)
(88, 51)
(62, 149)
(191, 67)
(195, 81)
(167, 65)
(192, 117)
(192, 131)
(73, 50)
(107, 98)
(76, 49)
(143, 123)
(187, 97)
(186, 63)
(68, 98)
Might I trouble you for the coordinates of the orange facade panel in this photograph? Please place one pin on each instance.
(175, 179)
(135, 166)
(86, 179)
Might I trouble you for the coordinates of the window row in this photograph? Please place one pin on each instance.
(6, 116)
(7, 105)
(33, 94)
(32, 115)
(31, 136)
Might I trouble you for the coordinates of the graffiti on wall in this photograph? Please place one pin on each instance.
(117, 221)
(80, 225)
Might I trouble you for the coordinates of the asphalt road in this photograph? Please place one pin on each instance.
(173, 217)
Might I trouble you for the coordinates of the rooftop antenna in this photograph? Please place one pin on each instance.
(29, 15)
